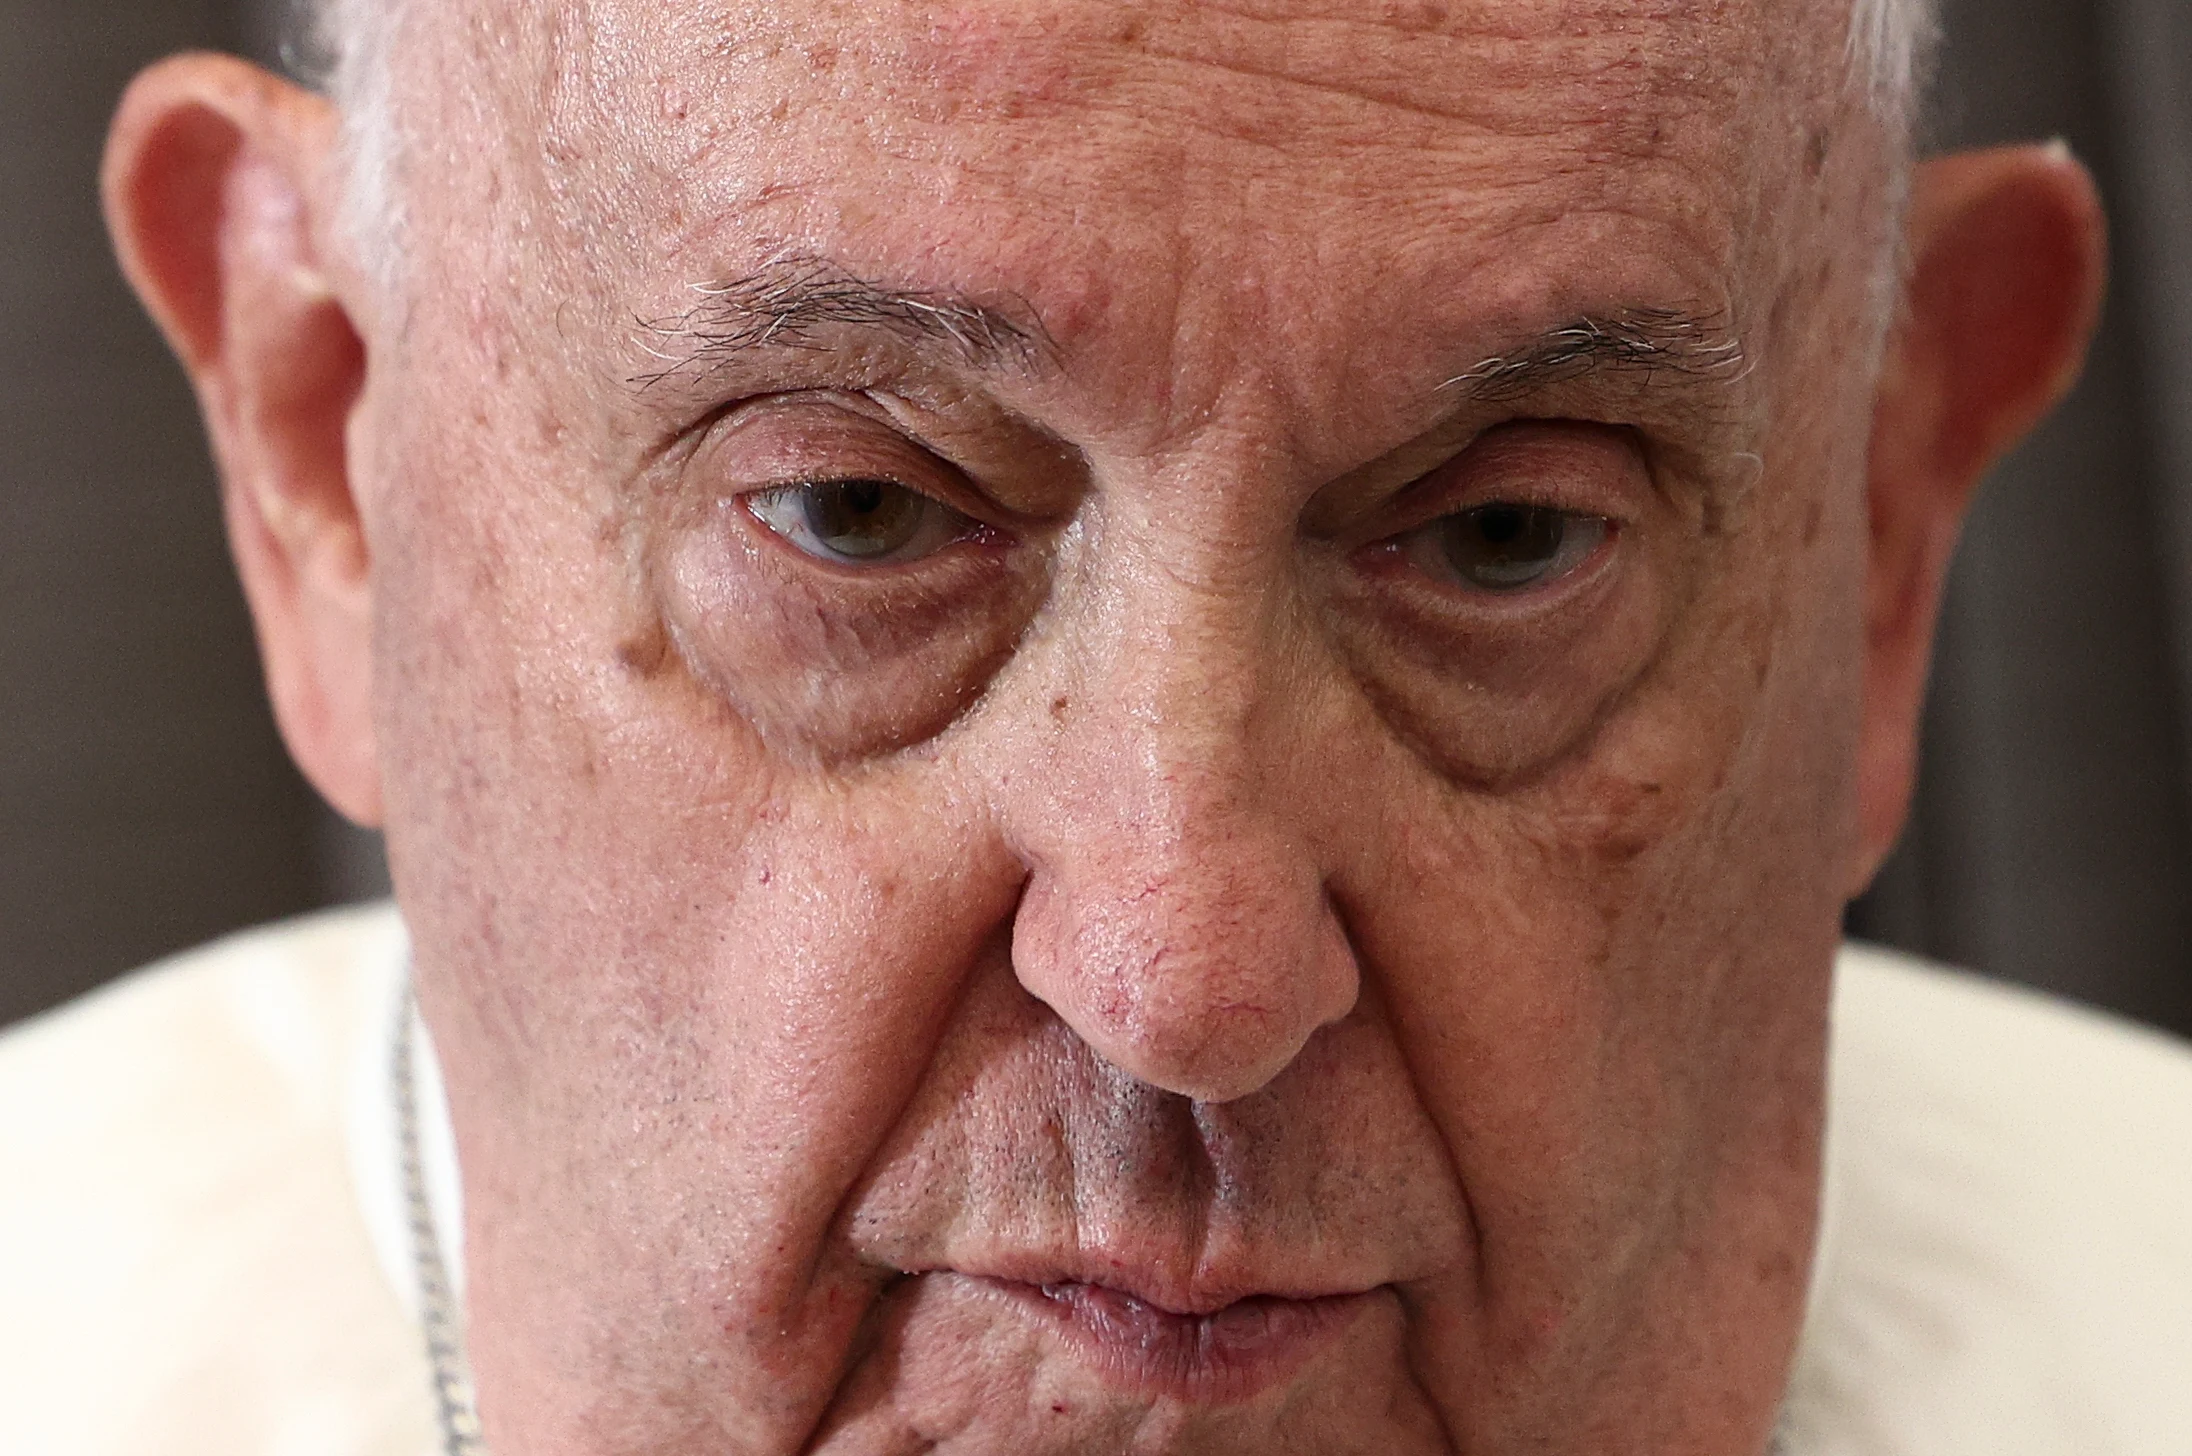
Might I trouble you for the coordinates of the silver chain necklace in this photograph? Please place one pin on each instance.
(439, 1317)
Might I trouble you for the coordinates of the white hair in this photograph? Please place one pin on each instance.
(1891, 44)
(347, 48)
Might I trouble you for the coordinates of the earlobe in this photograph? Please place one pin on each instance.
(2007, 256)
(213, 182)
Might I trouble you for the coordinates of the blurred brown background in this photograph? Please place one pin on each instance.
(145, 803)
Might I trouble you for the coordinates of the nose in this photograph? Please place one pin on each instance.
(1199, 967)
(1175, 915)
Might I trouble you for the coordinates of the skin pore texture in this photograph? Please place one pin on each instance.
(1166, 962)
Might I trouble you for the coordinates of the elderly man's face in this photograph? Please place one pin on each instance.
(1105, 730)
(1128, 731)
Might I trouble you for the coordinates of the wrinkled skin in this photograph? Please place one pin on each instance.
(1170, 890)
(864, 928)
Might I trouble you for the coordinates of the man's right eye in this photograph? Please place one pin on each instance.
(1505, 548)
(859, 522)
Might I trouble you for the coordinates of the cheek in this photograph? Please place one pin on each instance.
(681, 990)
(1609, 972)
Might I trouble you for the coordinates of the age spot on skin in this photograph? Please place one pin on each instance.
(645, 652)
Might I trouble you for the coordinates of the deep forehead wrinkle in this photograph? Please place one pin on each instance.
(1637, 341)
(792, 300)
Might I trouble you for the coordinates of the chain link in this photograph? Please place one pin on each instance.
(439, 1316)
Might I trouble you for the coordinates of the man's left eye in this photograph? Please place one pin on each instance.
(859, 522)
(1504, 548)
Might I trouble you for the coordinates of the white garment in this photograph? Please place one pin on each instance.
(203, 1249)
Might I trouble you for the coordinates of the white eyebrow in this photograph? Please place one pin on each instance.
(1647, 340)
(786, 302)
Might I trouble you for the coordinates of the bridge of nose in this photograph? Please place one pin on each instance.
(1175, 914)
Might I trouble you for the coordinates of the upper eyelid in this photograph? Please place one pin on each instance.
(921, 468)
(1417, 508)
(1426, 498)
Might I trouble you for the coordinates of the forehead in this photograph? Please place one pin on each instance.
(1313, 168)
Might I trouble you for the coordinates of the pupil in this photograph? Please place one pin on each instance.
(862, 518)
(1505, 547)
(1500, 525)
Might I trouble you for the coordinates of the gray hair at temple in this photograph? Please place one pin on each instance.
(345, 47)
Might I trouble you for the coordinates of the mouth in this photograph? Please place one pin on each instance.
(1222, 1355)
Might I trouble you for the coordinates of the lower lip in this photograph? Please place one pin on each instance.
(1229, 1355)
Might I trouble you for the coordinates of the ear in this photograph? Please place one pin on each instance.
(2008, 256)
(216, 191)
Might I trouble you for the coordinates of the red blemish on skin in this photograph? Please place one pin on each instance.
(993, 57)
(1403, 16)
(1631, 819)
